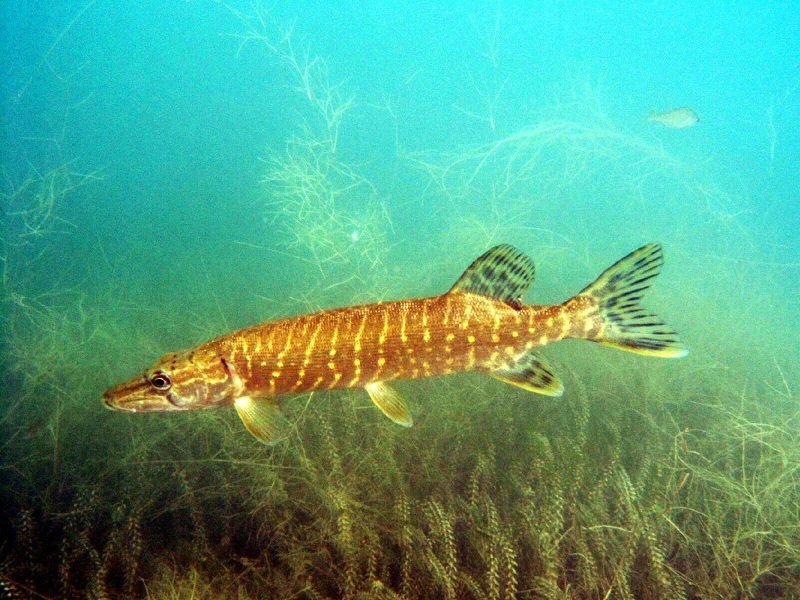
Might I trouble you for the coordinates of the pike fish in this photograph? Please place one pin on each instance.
(481, 324)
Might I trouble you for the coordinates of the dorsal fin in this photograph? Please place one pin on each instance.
(501, 272)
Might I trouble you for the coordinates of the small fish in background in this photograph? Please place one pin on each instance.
(677, 118)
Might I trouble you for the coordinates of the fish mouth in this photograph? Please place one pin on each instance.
(126, 399)
(129, 397)
(112, 403)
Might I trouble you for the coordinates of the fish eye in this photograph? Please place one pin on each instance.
(160, 381)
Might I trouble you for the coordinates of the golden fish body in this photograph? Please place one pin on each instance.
(479, 325)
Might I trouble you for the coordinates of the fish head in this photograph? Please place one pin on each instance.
(178, 381)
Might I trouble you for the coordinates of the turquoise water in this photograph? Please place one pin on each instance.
(173, 171)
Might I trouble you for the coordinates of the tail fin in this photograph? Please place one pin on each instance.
(622, 322)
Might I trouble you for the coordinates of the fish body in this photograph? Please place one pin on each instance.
(677, 118)
(479, 325)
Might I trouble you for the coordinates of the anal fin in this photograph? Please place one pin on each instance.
(262, 417)
(390, 402)
(531, 372)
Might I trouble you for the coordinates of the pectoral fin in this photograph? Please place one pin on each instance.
(531, 372)
(390, 402)
(262, 417)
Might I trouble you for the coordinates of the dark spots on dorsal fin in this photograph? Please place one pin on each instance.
(503, 272)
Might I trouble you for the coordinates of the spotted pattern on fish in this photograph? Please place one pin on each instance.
(479, 325)
(502, 272)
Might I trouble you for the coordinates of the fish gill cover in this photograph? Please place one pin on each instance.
(173, 171)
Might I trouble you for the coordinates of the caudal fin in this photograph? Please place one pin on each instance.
(622, 321)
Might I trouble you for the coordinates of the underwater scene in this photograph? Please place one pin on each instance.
(561, 239)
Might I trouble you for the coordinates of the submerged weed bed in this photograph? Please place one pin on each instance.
(493, 494)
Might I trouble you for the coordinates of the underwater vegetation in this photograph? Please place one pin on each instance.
(645, 480)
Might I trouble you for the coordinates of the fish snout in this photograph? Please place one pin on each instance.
(128, 396)
(136, 396)
(108, 400)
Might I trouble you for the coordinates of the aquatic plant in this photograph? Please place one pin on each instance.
(333, 219)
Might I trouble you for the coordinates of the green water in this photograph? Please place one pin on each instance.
(175, 171)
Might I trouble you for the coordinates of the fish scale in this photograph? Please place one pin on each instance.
(406, 339)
